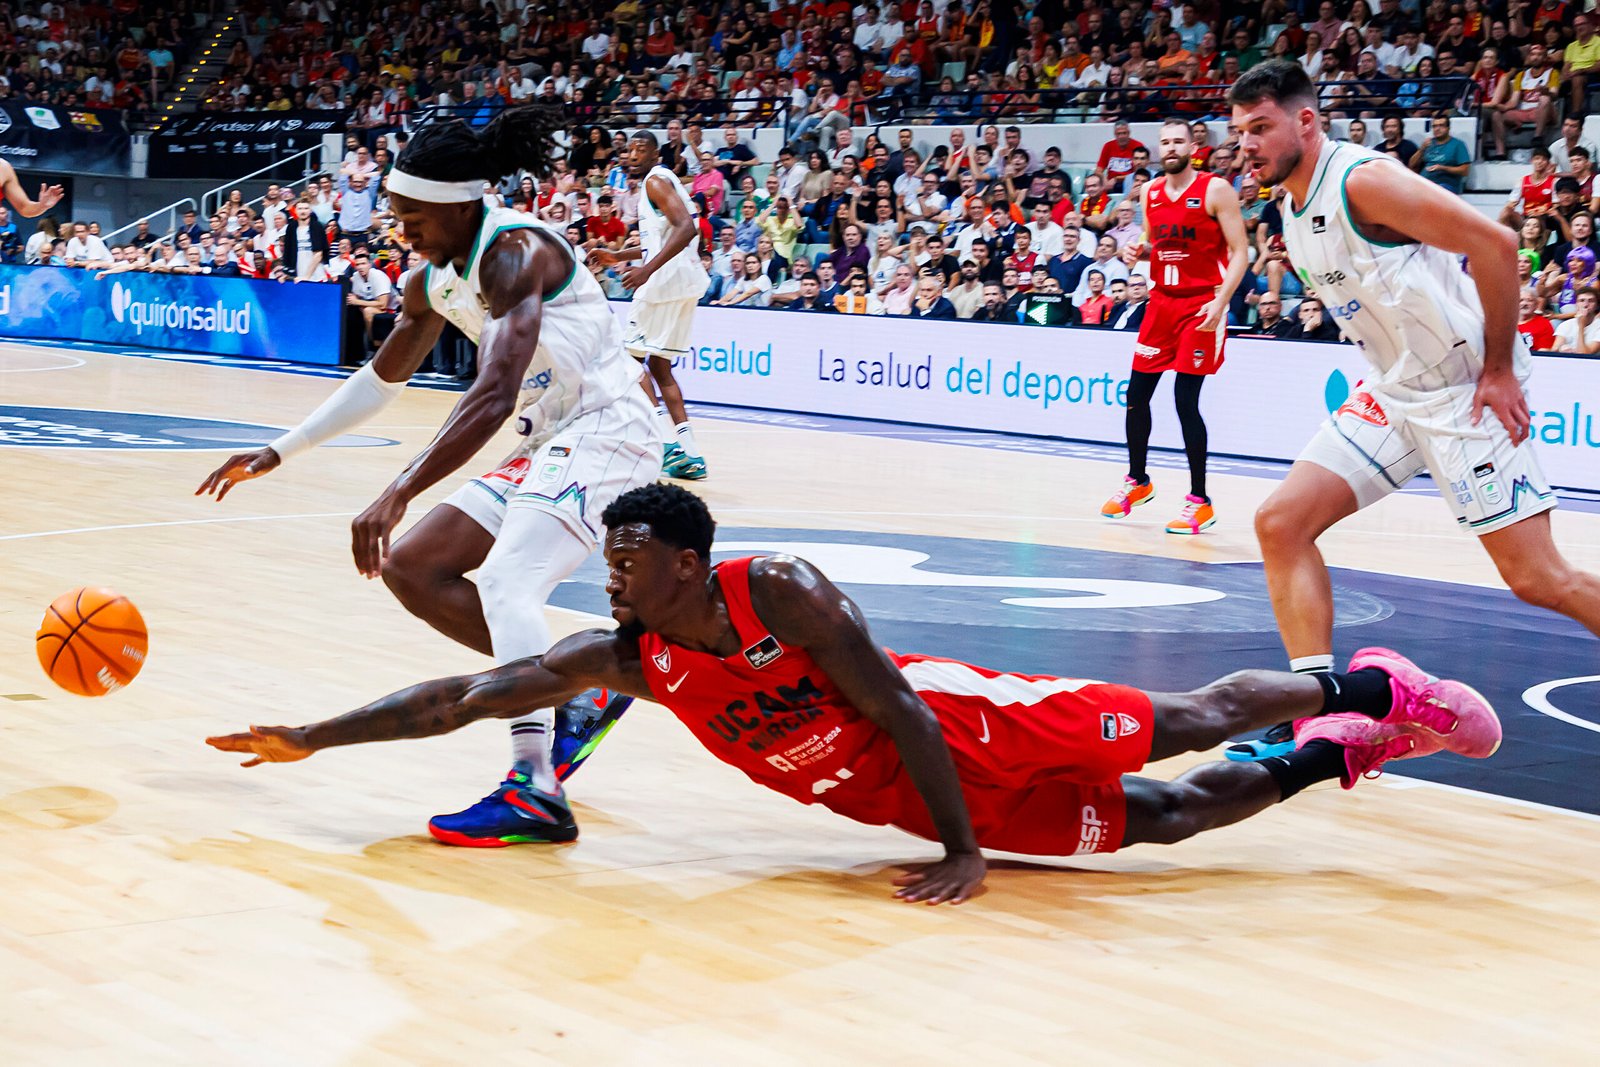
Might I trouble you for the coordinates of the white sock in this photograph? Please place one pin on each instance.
(532, 736)
(533, 553)
(1322, 664)
(665, 420)
(686, 438)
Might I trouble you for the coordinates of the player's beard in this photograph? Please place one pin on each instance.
(1287, 167)
(1175, 164)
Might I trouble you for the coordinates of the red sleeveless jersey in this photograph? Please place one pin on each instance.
(770, 711)
(1038, 757)
(1188, 253)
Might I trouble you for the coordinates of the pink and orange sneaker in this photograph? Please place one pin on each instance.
(1368, 744)
(1197, 515)
(1451, 712)
(1130, 496)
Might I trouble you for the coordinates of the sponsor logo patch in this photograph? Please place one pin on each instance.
(1483, 470)
(1091, 833)
(1363, 407)
(1192, 202)
(1319, 223)
(560, 450)
(763, 652)
(663, 660)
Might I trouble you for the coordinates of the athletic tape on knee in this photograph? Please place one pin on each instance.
(362, 396)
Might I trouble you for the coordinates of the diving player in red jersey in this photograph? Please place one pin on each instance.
(1198, 253)
(773, 670)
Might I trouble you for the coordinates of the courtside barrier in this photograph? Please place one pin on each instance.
(1071, 382)
(184, 312)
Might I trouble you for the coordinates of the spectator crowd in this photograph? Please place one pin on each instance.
(962, 223)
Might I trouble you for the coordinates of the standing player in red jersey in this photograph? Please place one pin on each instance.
(1195, 237)
(774, 671)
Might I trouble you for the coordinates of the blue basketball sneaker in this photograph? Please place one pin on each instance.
(514, 814)
(581, 724)
(1278, 741)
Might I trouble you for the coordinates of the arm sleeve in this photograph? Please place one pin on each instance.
(362, 396)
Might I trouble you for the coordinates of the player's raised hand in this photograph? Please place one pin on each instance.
(1502, 394)
(369, 533)
(239, 468)
(953, 879)
(265, 744)
(49, 196)
(601, 257)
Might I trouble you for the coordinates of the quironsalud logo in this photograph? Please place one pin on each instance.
(1335, 391)
(121, 300)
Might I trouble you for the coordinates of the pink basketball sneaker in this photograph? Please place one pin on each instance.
(1368, 744)
(1452, 712)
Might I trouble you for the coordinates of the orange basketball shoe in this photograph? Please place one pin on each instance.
(1197, 515)
(1130, 496)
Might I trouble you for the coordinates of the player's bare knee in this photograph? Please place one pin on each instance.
(1542, 586)
(1161, 813)
(1278, 526)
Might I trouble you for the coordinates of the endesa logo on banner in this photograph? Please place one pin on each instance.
(1267, 401)
(189, 313)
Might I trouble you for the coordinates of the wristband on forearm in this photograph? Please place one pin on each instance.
(362, 396)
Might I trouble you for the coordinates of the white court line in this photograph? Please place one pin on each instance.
(1394, 781)
(177, 522)
(76, 363)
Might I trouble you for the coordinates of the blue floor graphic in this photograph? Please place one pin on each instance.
(1165, 624)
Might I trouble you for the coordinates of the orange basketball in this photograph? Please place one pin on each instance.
(92, 641)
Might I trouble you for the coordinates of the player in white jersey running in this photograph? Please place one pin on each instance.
(667, 286)
(549, 354)
(1381, 247)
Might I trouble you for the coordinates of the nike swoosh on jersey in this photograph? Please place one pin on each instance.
(984, 719)
(672, 687)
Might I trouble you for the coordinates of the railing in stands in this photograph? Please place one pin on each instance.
(172, 211)
(721, 111)
(1376, 98)
(308, 168)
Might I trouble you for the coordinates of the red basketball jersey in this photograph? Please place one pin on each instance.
(1188, 253)
(770, 711)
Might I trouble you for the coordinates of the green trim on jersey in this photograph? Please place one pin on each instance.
(1316, 186)
(1344, 197)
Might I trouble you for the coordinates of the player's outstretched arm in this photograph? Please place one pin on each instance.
(582, 661)
(357, 400)
(1384, 199)
(49, 195)
(801, 607)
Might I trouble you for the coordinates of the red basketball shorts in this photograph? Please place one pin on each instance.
(1170, 337)
(1040, 758)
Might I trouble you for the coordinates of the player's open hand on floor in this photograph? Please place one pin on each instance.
(239, 468)
(265, 744)
(952, 880)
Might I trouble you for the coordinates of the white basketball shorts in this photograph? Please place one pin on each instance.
(659, 328)
(1385, 435)
(574, 474)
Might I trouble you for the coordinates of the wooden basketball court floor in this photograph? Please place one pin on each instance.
(161, 905)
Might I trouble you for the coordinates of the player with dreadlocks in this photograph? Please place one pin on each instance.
(550, 354)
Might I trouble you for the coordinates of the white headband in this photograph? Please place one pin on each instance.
(415, 188)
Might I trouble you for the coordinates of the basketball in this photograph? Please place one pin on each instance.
(92, 641)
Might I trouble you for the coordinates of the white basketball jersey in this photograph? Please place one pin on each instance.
(579, 365)
(682, 277)
(1411, 308)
